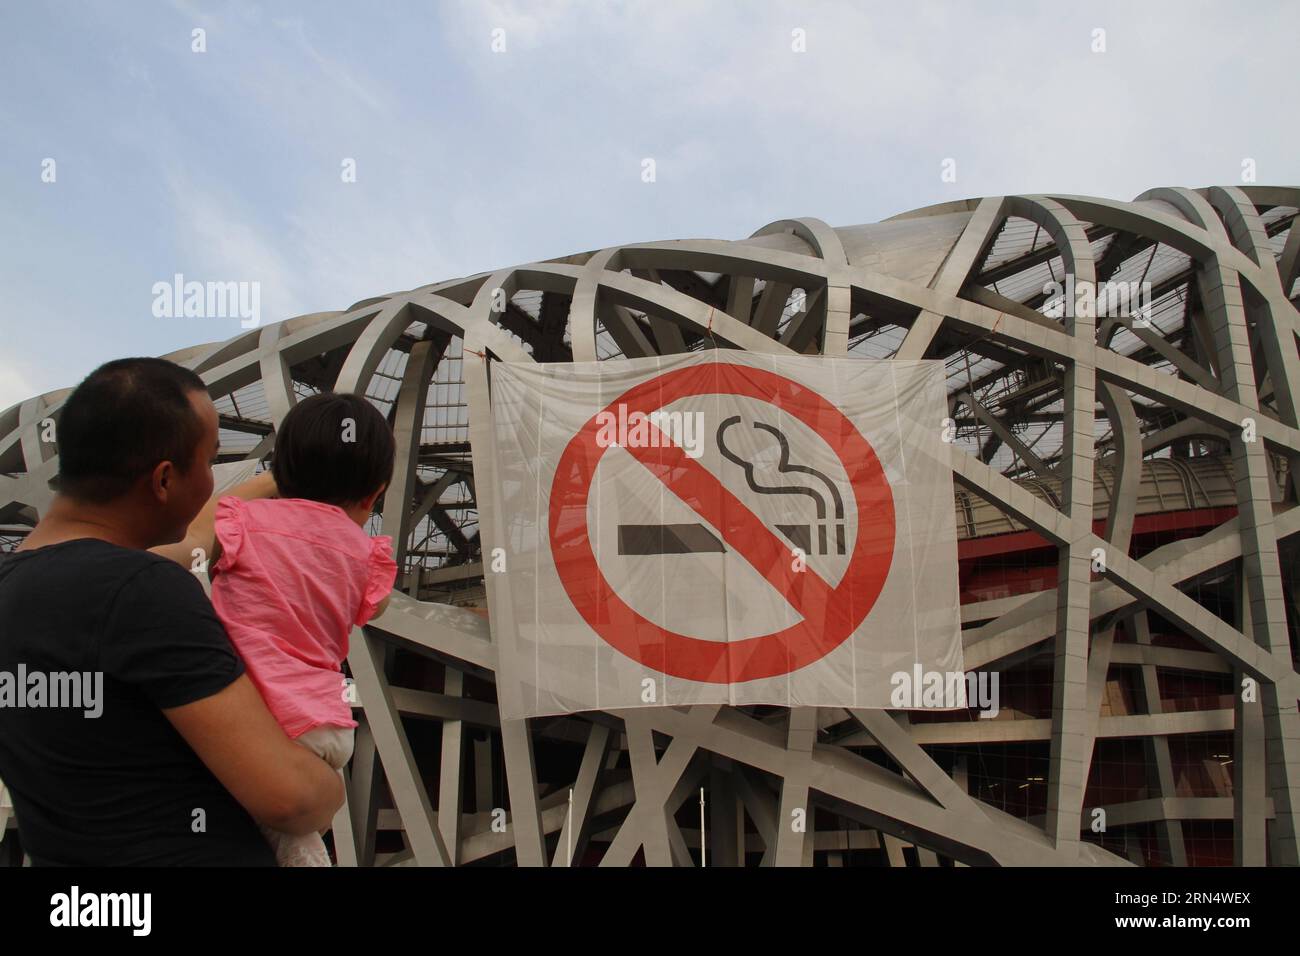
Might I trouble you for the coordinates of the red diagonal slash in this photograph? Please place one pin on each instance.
(829, 614)
(739, 526)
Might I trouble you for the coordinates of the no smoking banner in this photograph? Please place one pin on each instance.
(720, 527)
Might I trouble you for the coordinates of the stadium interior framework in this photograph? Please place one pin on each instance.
(1126, 502)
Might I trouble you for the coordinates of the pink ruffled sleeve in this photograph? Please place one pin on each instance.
(228, 522)
(381, 572)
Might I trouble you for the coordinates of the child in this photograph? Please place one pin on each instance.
(292, 576)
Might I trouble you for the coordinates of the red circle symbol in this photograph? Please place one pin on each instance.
(829, 614)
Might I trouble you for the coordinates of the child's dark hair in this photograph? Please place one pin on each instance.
(335, 448)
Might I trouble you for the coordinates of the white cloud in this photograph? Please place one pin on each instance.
(15, 386)
(222, 241)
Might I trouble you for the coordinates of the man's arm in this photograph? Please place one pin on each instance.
(281, 784)
(202, 530)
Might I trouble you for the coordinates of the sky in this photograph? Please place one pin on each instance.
(490, 133)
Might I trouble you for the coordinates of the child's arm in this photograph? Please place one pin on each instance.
(202, 534)
(381, 575)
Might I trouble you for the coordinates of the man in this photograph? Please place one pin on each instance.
(184, 755)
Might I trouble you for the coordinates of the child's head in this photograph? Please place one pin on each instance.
(335, 448)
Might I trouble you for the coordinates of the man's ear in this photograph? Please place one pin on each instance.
(161, 478)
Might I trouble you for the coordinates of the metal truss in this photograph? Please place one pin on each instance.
(1051, 407)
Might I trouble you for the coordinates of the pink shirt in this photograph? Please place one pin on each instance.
(294, 577)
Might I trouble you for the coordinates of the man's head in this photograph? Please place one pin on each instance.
(140, 434)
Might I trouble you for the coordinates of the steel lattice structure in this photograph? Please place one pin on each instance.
(1079, 432)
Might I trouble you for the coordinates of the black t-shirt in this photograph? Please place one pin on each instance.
(122, 788)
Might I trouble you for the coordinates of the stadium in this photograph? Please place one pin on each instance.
(1122, 429)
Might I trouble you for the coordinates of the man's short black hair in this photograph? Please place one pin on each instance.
(333, 447)
(121, 421)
